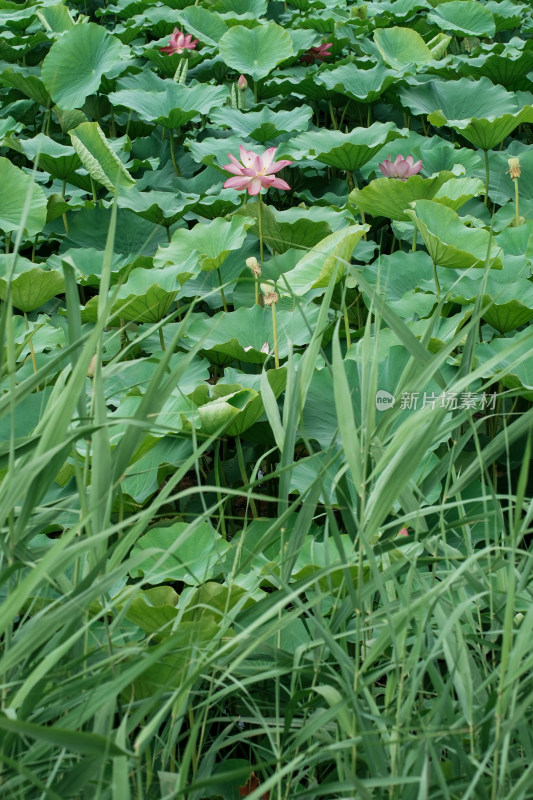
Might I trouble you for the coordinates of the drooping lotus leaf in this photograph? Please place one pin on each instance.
(463, 17)
(480, 111)
(77, 62)
(295, 227)
(55, 18)
(208, 243)
(401, 47)
(99, 158)
(27, 80)
(255, 51)
(347, 151)
(389, 197)
(507, 298)
(165, 102)
(238, 406)
(449, 242)
(16, 187)
(31, 286)
(458, 191)
(180, 553)
(146, 296)
(506, 64)
(265, 125)
(161, 208)
(60, 160)
(141, 479)
(363, 85)
(316, 268)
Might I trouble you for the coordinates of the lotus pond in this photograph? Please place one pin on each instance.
(266, 399)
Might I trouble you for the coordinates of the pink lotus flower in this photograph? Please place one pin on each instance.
(179, 42)
(401, 167)
(265, 348)
(316, 53)
(255, 172)
(242, 83)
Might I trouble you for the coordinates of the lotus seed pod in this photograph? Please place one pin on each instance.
(514, 167)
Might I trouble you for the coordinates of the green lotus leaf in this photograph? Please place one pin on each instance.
(206, 25)
(27, 81)
(515, 367)
(298, 227)
(506, 64)
(181, 552)
(362, 85)
(165, 102)
(399, 277)
(59, 160)
(507, 298)
(458, 191)
(294, 80)
(31, 286)
(389, 197)
(209, 244)
(17, 186)
(316, 268)
(253, 410)
(255, 51)
(480, 111)
(347, 151)
(465, 17)
(99, 158)
(141, 479)
(265, 125)
(146, 296)
(252, 327)
(449, 242)
(55, 18)
(507, 15)
(161, 208)
(77, 62)
(154, 609)
(134, 237)
(401, 47)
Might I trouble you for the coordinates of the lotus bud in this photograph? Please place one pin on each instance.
(242, 83)
(92, 367)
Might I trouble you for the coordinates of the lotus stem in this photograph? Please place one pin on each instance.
(172, 155)
(275, 334)
(30, 343)
(517, 213)
(346, 324)
(487, 175)
(162, 339)
(436, 277)
(260, 225)
(224, 304)
(244, 477)
(413, 248)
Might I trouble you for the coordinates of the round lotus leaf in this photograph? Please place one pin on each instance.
(347, 151)
(77, 62)
(255, 51)
(463, 17)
